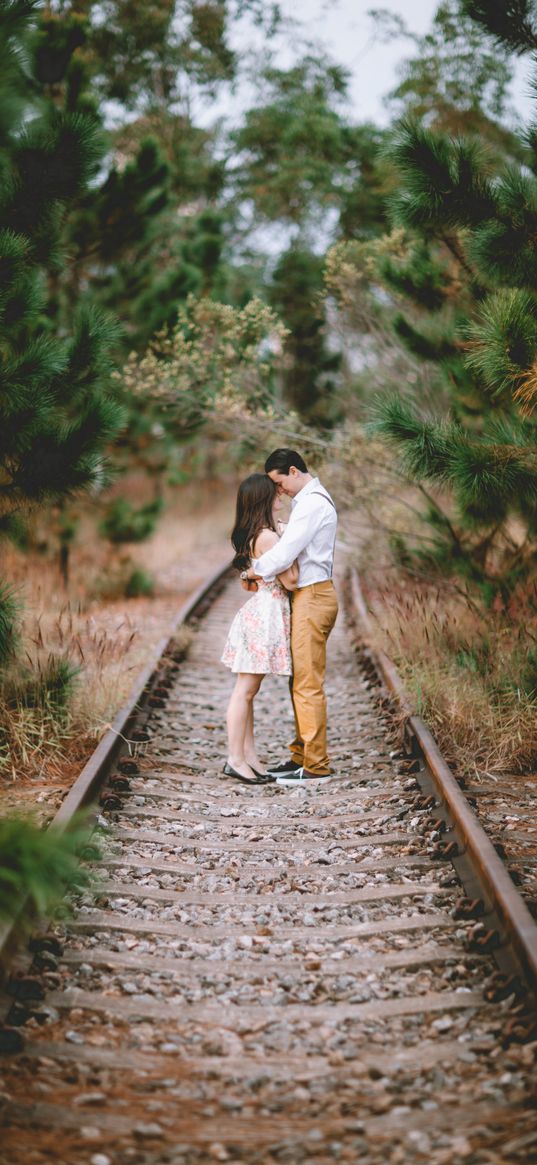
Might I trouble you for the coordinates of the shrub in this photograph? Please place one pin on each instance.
(123, 523)
(37, 866)
(139, 585)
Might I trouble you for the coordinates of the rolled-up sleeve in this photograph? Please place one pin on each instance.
(294, 539)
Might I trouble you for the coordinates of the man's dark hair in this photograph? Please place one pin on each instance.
(282, 460)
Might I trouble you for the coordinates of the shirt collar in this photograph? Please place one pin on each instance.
(309, 488)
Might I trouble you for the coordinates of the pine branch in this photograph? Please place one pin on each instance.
(511, 22)
(453, 245)
(445, 521)
(431, 345)
(501, 342)
(505, 247)
(444, 182)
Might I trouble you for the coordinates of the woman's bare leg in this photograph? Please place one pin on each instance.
(250, 751)
(238, 714)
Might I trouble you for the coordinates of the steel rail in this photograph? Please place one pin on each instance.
(496, 884)
(94, 773)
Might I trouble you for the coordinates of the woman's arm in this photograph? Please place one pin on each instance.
(289, 577)
(265, 541)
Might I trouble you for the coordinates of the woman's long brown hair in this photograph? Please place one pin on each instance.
(255, 500)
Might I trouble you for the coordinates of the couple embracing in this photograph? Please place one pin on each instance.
(284, 626)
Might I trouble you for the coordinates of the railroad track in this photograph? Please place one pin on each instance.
(267, 975)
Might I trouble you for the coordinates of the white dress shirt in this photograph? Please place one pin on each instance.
(309, 537)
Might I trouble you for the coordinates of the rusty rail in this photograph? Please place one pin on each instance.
(96, 769)
(497, 887)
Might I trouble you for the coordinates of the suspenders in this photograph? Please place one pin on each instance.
(325, 496)
(328, 499)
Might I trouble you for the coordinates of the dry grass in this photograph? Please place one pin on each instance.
(465, 666)
(462, 668)
(109, 642)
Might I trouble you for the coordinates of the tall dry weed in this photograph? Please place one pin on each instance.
(464, 667)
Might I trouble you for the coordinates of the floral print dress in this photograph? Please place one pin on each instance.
(259, 640)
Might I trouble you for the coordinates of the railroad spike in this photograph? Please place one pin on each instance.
(140, 736)
(128, 766)
(120, 784)
(500, 986)
(426, 801)
(436, 824)
(520, 1031)
(410, 766)
(479, 938)
(468, 908)
(11, 1041)
(444, 850)
(110, 801)
(19, 1015)
(45, 961)
(521, 1006)
(25, 987)
(46, 942)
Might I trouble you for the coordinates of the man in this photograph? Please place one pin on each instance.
(310, 538)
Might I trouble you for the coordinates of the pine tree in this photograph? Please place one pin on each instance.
(294, 154)
(512, 22)
(469, 281)
(310, 379)
(298, 162)
(56, 414)
(456, 79)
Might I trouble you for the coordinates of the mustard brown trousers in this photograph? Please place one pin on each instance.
(314, 610)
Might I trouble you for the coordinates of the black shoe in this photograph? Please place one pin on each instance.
(268, 778)
(259, 780)
(289, 766)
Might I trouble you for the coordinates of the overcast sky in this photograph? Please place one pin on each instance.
(347, 33)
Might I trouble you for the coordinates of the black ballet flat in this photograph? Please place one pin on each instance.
(268, 779)
(229, 772)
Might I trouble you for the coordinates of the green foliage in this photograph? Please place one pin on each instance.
(140, 585)
(55, 416)
(37, 866)
(420, 278)
(465, 273)
(456, 79)
(124, 523)
(474, 657)
(57, 413)
(511, 22)
(424, 445)
(47, 687)
(310, 375)
(504, 248)
(362, 203)
(295, 153)
(216, 357)
(143, 55)
(13, 527)
(9, 609)
(444, 182)
(502, 340)
(528, 677)
(492, 476)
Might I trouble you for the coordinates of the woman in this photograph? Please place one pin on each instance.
(258, 643)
